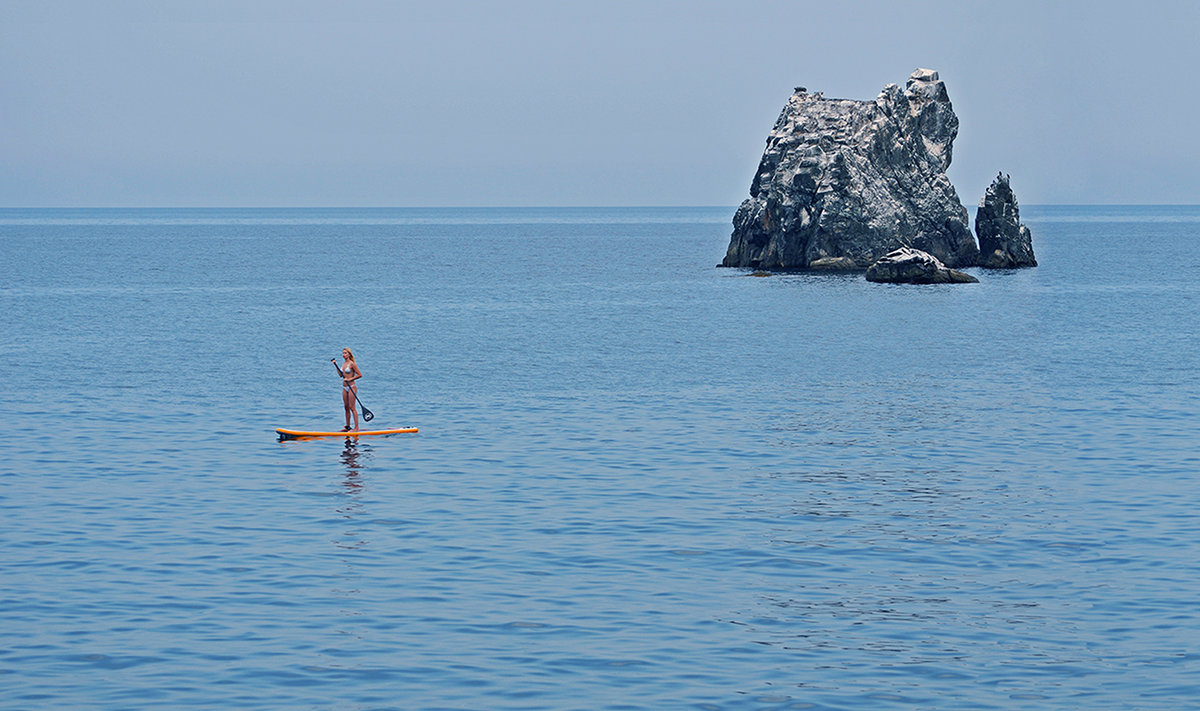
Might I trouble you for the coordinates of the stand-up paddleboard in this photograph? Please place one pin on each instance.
(306, 434)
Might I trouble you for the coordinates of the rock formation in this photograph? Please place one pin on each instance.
(1004, 242)
(912, 266)
(842, 183)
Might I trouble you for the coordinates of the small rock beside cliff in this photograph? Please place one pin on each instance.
(912, 266)
(1004, 242)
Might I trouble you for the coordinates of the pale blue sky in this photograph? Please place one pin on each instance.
(151, 103)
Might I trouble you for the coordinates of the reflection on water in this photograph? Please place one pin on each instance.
(347, 585)
(354, 457)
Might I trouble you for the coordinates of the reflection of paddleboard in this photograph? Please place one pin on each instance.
(304, 434)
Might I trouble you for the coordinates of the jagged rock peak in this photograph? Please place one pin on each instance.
(843, 182)
(920, 74)
(1004, 242)
(929, 107)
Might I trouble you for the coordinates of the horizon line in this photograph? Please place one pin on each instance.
(507, 207)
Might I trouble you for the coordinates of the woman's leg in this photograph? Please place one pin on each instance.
(348, 403)
(351, 394)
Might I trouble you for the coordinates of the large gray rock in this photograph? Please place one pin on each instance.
(844, 182)
(912, 266)
(1004, 242)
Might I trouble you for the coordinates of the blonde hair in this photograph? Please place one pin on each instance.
(350, 352)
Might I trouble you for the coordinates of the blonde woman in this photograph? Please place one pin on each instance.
(350, 373)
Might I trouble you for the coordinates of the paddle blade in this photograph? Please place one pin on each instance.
(366, 414)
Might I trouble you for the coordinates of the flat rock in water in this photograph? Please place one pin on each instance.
(912, 266)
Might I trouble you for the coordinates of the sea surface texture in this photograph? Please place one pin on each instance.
(640, 482)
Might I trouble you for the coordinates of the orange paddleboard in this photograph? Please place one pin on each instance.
(306, 434)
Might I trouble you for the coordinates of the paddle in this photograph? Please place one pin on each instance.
(367, 415)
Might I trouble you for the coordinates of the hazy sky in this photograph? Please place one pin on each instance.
(257, 103)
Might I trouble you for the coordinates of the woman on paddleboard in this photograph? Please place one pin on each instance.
(350, 373)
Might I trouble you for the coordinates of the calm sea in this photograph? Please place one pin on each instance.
(641, 482)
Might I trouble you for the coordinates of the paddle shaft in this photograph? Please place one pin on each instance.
(366, 414)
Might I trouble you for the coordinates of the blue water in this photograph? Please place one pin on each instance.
(641, 482)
